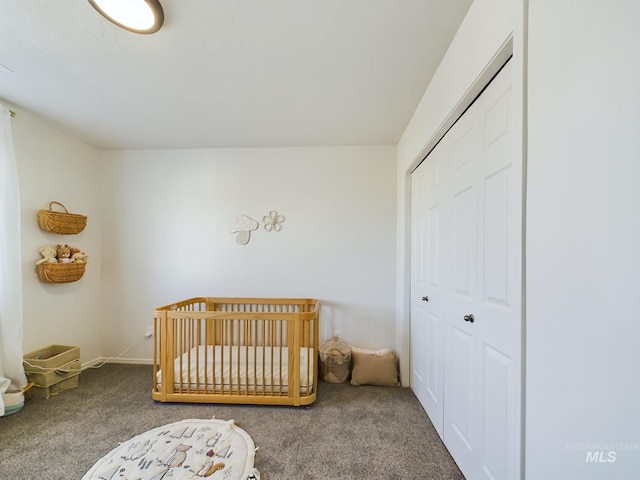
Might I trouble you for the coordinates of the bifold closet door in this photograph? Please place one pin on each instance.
(427, 297)
(478, 301)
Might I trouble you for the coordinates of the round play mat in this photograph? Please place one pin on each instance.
(193, 448)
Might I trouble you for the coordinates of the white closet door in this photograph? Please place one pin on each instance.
(478, 267)
(427, 309)
(499, 306)
(461, 387)
(482, 337)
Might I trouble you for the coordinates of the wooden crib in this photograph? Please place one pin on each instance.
(236, 350)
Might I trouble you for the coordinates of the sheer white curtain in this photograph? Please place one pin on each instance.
(11, 370)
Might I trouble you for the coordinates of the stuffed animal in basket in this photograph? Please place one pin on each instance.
(79, 257)
(63, 252)
(48, 255)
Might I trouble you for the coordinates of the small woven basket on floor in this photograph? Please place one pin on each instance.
(335, 361)
(61, 222)
(60, 272)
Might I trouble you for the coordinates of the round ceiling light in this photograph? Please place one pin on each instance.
(139, 16)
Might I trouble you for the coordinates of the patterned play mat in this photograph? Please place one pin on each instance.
(193, 448)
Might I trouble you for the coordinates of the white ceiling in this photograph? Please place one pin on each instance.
(227, 73)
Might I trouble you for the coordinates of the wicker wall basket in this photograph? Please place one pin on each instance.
(60, 272)
(61, 222)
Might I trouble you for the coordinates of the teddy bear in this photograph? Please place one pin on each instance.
(79, 257)
(63, 252)
(48, 255)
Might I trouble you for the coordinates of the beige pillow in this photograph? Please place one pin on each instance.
(374, 367)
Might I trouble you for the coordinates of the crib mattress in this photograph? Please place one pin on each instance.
(224, 368)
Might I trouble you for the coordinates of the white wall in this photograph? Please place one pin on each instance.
(158, 232)
(583, 240)
(166, 238)
(54, 166)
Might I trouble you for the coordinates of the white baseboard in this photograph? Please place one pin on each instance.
(98, 362)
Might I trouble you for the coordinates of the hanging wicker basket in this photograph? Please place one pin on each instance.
(61, 222)
(60, 272)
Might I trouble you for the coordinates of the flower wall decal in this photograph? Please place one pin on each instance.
(273, 221)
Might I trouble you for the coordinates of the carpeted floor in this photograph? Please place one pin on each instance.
(348, 433)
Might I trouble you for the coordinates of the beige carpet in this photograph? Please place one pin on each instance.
(349, 433)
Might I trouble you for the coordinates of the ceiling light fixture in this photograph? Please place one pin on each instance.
(139, 16)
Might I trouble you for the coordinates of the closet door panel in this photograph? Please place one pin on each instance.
(497, 313)
(427, 356)
(461, 388)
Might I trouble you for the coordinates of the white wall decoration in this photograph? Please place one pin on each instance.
(243, 226)
(273, 221)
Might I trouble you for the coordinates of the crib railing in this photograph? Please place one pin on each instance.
(228, 350)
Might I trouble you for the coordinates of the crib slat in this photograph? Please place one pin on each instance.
(263, 380)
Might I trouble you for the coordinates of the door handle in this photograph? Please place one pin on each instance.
(425, 299)
(469, 318)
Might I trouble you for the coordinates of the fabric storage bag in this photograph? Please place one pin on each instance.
(335, 361)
